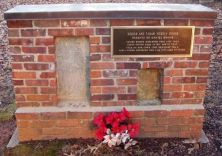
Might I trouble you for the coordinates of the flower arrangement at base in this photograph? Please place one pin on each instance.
(116, 129)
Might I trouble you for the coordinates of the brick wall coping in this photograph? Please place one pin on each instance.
(110, 11)
(109, 108)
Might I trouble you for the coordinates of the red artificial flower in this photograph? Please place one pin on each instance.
(99, 134)
(125, 112)
(109, 119)
(133, 129)
(122, 116)
(99, 120)
(123, 128)
(115, 127)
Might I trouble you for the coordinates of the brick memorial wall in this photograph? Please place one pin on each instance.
(110, 82)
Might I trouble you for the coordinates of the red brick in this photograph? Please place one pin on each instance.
(18, 82)
(54, 132)
(197, 72)
(203, 64)
(25, 90)
(205, 48)
(183, 113)
(160, 64)
(115, 73)
(102, 97)
(102, 65)
(197, 31)
(53, 83)
(121, 22)
(19, 98)
(105, 40)
(201, 80)
(203, 40)
(169, 88)
(191, 101)
(200, 57)
(207, 31)
(126, 81)
(36, 66)
(53, 115)
(21, 41)
(24, 75)
(79, 115)
(27, 116)
(170, 101)
(107, 90)
(94, 40)
(194, 87)
(33, 32)
(167, 80)
(13, 32)
(16, 65)
(136, 114)
(154, 114)
(148, 22)
(46, 58)
(95, 90)
(95, 74)
(23, 58)
(37, 82)
(51, 50)
(202, 23)
(98, 22)
(95, 57)
(84, 31)
(37, 97)
(199, 112)
(102, 31)
(61, 32)
(27, 104)
(185, 64)
(15, 50)
(132, 89)
(34, 50)
(67, 123)
(106, 57)
(128, 65)
(126, 96)
(19, 23)
(75, 23)
(99, 48)
(47, 23)
(174, 72)
(47, 75)
(182, 95)
(44, 41)
(183, 79)
(175, 22)
(102, 82)
(133, 73)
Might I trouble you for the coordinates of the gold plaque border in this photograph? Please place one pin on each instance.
(149, 27)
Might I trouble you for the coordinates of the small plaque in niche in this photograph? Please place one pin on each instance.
(153, 41)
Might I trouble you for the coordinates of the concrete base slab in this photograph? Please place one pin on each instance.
(14, 140)
(203, 138)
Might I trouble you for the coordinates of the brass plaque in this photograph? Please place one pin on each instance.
(153, 41)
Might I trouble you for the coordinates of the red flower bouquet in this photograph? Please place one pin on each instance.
(115, 128)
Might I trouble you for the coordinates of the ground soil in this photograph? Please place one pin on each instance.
(6, 130)
(155, 147)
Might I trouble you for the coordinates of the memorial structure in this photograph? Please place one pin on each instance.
(71, 61)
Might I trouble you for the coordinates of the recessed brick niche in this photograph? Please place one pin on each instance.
(64, 73)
